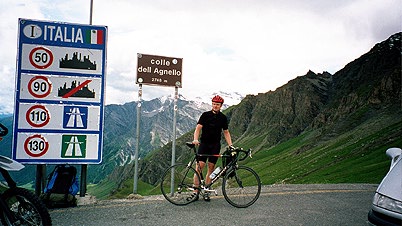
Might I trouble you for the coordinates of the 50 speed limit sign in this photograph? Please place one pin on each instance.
(41, 57)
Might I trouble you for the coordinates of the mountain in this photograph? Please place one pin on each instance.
(156, 129)
(318, 127)
(231, 99)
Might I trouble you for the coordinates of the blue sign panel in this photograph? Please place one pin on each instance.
(75, 117)
(59, 92)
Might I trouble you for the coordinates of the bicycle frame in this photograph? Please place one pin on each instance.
(227, 168)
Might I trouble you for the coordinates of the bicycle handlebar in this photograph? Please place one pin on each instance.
(3, 130)
(247, 153)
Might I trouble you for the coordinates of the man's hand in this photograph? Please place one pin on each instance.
(196, 142)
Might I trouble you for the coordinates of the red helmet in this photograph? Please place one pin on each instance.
(217, 99)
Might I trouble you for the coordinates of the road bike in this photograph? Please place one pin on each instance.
(241, 185)
(19, 206)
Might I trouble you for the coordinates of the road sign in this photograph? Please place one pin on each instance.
(59, 93)
(40, 57)
(36, 146)
(39, 86)
(37, 116)
(159, 70)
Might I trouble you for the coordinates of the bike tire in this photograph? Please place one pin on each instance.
(26, 207)
(241, 187)
(183, 184)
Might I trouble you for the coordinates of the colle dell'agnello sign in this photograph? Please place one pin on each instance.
(158, 66)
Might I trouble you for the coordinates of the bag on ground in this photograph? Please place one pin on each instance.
(61, 188)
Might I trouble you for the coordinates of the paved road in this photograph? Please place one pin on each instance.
(339, 204)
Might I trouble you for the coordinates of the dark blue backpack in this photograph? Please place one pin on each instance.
(62, 187)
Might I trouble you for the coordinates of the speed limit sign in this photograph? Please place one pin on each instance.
(37, 116)
(41, 57)
(39, 86)
(36, 145)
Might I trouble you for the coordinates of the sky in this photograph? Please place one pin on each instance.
(248, 47)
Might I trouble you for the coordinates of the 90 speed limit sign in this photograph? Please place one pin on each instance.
(41, 57)
(39, 86)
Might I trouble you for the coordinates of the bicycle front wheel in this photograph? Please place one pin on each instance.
(241, 187)
(177, 184)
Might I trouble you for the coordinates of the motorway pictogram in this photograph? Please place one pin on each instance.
(75, 117)
(73, 146)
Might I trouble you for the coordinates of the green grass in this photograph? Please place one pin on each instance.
(107, 190)
(354, 157)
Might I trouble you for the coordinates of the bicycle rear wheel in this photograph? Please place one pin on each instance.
(241, 187)
(177, 184)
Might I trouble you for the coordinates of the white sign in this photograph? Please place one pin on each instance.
(59, 93)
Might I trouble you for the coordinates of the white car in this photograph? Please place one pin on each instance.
(387, 202)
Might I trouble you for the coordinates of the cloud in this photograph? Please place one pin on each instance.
(244, 46)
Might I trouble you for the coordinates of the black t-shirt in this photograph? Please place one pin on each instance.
(212, 126)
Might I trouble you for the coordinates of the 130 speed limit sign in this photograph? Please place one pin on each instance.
(36, 145)
(41, 57)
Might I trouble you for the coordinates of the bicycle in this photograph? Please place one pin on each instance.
(241, 185)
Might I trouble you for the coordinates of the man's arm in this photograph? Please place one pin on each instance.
(197, 134)
(228, 138)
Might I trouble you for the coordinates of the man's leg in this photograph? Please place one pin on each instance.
(199, 166)
(211, 167)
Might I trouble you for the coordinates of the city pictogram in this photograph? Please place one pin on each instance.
(37, 116)
(75, 117)
(77, 62)
(36, 145)
(41, 57)
(80, 90)
(73, 146)
(39, 86)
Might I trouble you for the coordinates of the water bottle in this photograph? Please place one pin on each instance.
(216, 172)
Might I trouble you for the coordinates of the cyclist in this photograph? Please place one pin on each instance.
(210, 127)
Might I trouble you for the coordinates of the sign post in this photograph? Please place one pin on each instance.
(159, 71)
(59, 100)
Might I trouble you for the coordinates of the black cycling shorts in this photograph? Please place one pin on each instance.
(209, 149)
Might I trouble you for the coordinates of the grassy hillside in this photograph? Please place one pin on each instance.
(345, 159)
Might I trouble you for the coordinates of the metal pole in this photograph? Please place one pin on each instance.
(84, 167)
(38, 186)
(137, 145)
(90, 12)
(176, 96)
(83, 184)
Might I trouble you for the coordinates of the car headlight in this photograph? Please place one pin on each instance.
(387, 203)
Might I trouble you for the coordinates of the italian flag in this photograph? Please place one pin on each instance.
(94, 37)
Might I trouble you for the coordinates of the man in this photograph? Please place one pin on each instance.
(210, 126)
